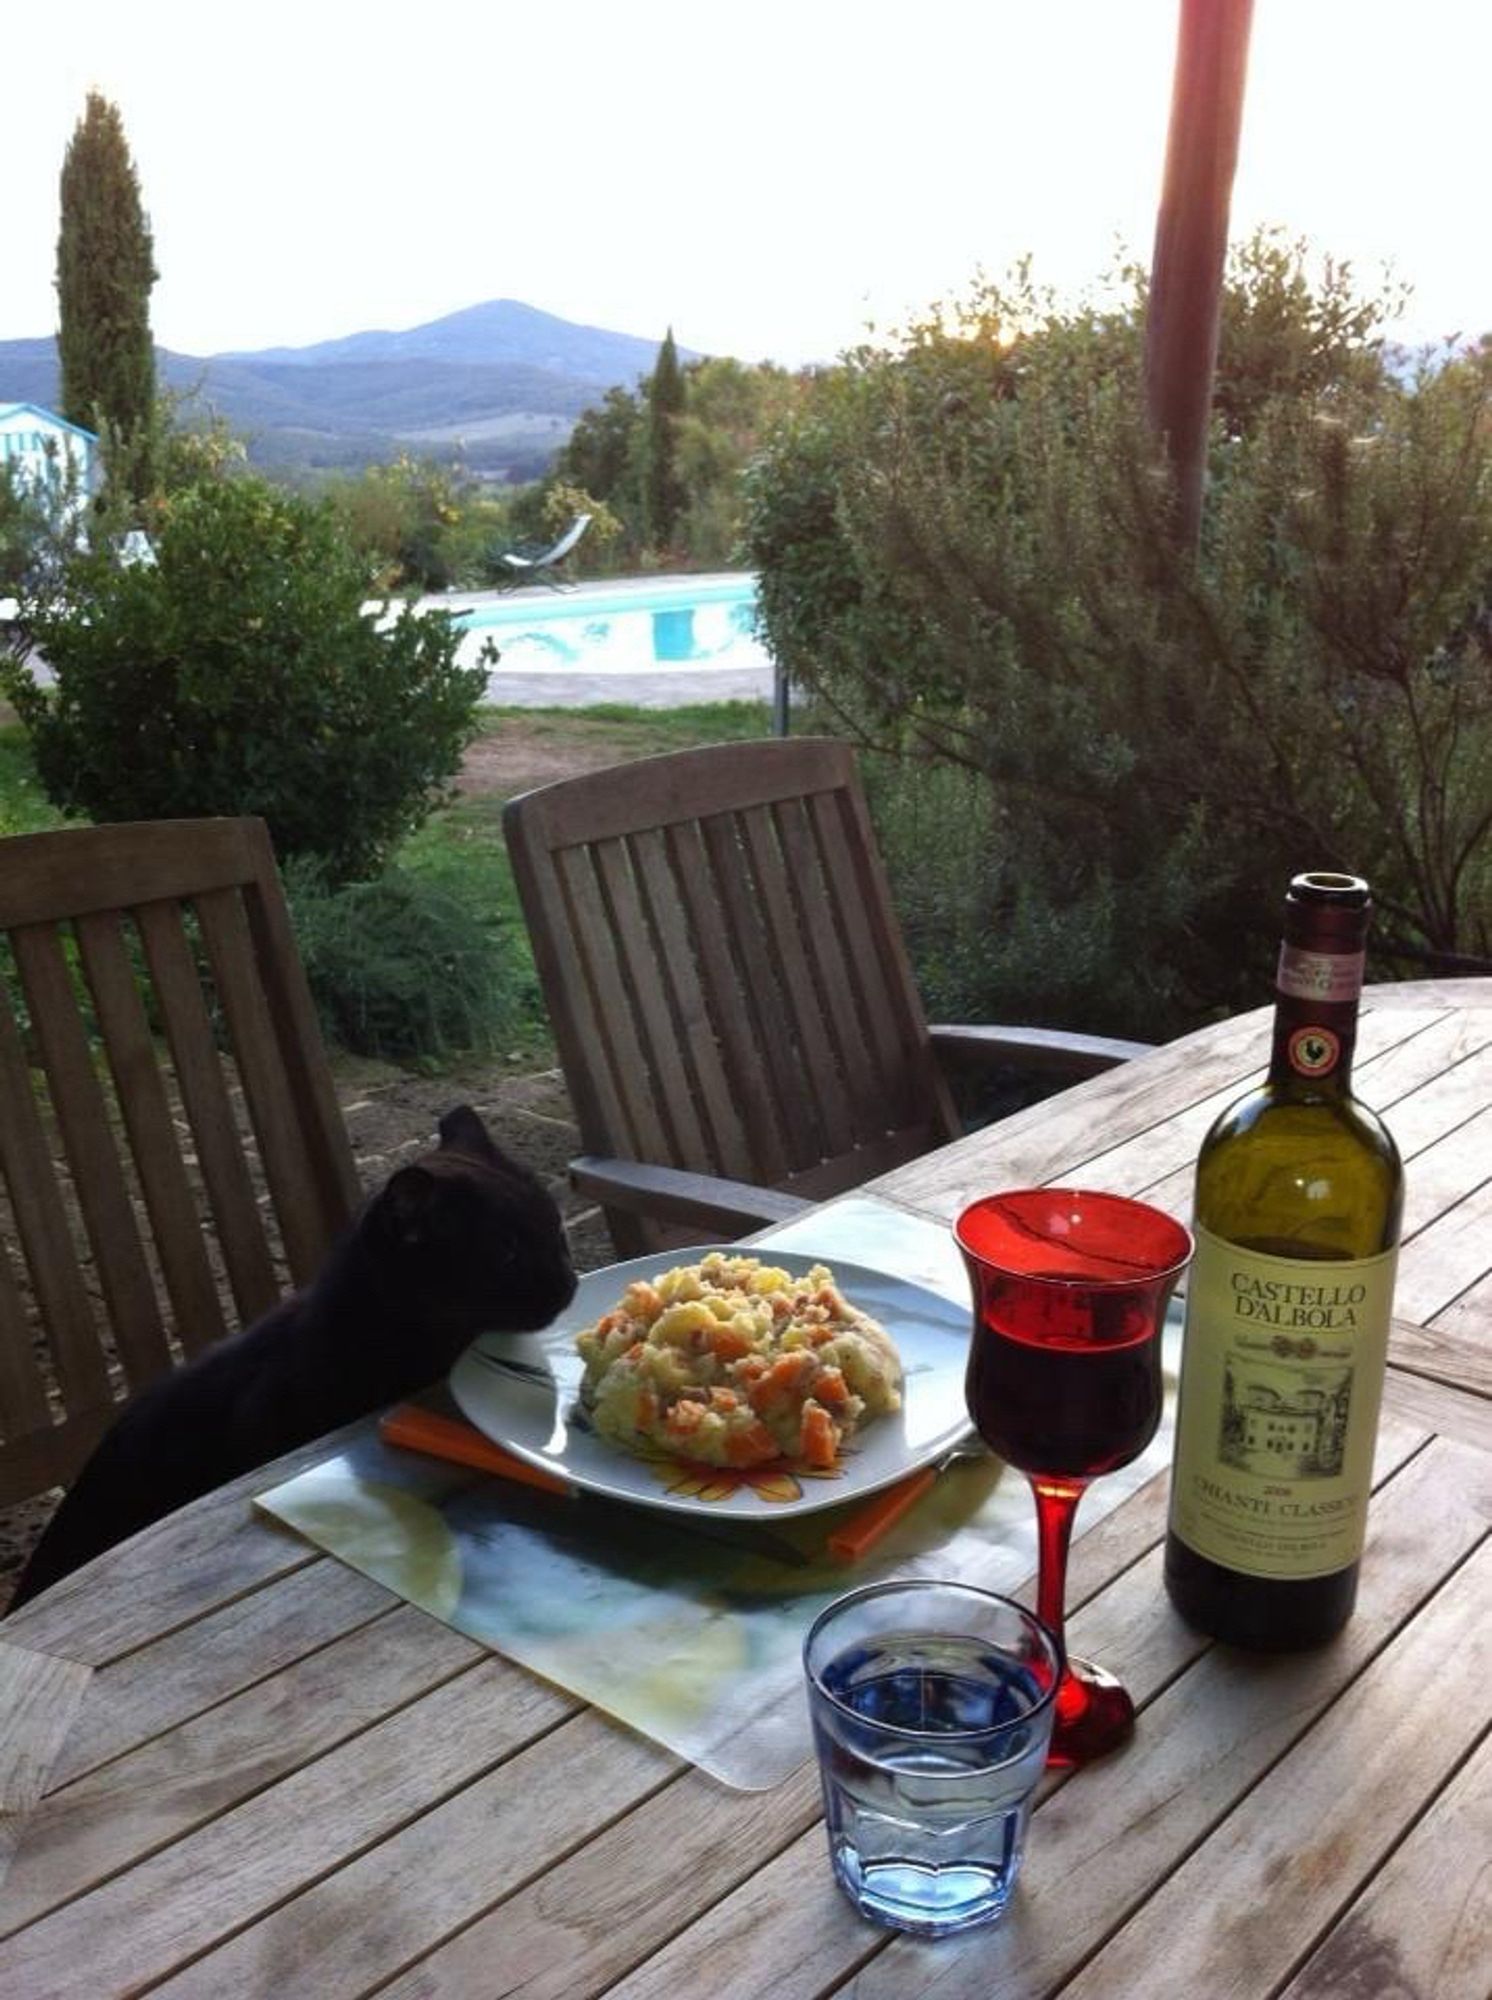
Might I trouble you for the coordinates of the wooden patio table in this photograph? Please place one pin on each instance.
(229, 1765)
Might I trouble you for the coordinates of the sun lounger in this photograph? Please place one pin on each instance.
(540, 566)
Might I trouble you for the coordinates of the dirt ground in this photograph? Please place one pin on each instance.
(392, 1115)
(392, 1118)
(523, 754)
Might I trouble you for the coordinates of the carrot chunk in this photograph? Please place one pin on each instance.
(782, 1378)
(818, 1440)
(754, 1445)
(728, 1343)
(831, 1388)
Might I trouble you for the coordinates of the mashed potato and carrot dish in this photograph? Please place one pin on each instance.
(734, 1362)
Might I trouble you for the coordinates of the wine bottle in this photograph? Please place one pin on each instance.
(1299, 1193)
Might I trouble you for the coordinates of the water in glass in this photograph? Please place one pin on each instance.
(930, 1744)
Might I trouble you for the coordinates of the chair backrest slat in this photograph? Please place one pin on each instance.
(727, 1032)
(92, 1154)
(225, 931)
(805, 923)
(40, 1221)
(692, 1044)
(205, 1093)
(723, 969)
(791, 906)
(170, 1200)
(23, 1393)
(758, 998)
(664, 1119)
(891, 1079)
(307, 1077)
(160, 1041)
(615, 1080)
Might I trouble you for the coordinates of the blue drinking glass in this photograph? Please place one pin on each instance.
(932, 1707)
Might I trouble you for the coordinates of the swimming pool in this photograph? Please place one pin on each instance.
(634, 626)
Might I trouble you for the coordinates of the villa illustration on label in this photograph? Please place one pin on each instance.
(1285, 1407)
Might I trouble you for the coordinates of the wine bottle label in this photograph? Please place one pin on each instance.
(1332, 976)
(1281, 1380)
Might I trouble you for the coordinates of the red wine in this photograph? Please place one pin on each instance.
(1076, 1408)
(1298, 1199)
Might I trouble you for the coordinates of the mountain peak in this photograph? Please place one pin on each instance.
(496, 332)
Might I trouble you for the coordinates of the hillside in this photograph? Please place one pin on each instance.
(498, 384)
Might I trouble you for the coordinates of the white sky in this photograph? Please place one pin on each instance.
(770, 179)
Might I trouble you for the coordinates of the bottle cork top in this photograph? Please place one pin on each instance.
(1320, 886)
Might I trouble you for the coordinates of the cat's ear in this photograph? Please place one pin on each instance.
(462, 1131)
(407, 1204)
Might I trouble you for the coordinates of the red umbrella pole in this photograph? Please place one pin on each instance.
(1191, 238)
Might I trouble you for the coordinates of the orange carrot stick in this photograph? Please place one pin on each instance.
(418, 1429)
(881, 1512)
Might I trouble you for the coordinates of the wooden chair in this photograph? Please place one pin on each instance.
(728, 989)
(159, 1040)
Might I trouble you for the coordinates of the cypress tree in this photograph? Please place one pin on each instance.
(105, 269)
(665, 492)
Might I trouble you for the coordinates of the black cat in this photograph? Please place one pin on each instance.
(462, 1241)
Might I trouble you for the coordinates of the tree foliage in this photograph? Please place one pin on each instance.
(244, 672)
(963, 548)
(663, 491)
(38, 524)
(402, 515)
(603, 453)
(105, 271)
(728, 410)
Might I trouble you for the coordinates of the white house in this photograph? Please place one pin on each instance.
(45, 451)
(51, 457)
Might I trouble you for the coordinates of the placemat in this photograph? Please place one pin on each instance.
(686, 1630)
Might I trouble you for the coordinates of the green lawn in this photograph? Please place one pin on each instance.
(24, 807)
(633, 732)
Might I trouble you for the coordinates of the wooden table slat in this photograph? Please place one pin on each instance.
(1124, 1130)
(1449, 1410)
(1446, 1257)
(434, 1875)
(39, 1698)
(591, 1922)
(176, 1677)
(190, 1775)
(1424, 1924)
(145, 1923)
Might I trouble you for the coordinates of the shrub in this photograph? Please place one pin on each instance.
(405, 518)
(966, 552)
(243, 672)
(408, 967)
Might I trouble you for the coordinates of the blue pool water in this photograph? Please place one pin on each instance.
(626, 629)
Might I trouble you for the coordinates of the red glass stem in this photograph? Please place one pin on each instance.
(1056, 1504)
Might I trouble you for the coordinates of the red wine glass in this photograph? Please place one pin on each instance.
(1064, 1382)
